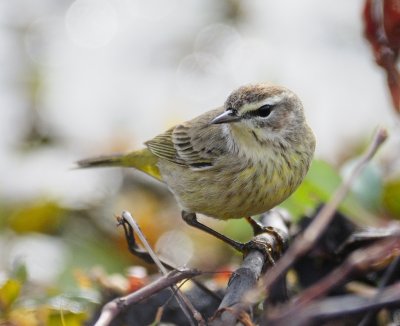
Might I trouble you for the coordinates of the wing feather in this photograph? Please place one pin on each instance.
(163, 147)
(192, 144)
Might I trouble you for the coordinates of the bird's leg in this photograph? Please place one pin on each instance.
(191, 219)
(257, 227)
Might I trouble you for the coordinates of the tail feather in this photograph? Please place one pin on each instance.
(142, 160)
(101, 161)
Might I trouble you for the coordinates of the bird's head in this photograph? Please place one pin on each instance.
(268, 110)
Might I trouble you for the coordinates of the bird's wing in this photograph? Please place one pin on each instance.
(195, 143)
(163, 147)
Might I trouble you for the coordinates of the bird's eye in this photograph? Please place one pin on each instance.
(264, 111)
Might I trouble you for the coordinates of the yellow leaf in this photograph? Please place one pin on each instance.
(9, 292)
(41, 216)
(66, 318)
(24, 317)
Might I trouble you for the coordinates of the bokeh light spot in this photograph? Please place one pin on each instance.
(91, 23)
(175, 247)
(201, 76)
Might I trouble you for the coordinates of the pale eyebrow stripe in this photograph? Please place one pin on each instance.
(273, 100)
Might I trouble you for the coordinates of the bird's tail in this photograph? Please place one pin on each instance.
(142, 160)
(101, 161)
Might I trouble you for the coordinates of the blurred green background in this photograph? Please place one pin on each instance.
(89, 77)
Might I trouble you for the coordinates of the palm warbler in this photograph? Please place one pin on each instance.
(239, 160)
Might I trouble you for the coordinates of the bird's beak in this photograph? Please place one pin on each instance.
(226, 117)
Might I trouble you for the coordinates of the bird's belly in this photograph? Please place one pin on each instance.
(245, 190)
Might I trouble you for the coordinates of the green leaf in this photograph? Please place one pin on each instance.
(318, 187)
(391, 197)
(368, 187)
(20, 272)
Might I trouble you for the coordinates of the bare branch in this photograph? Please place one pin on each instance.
(139, 252)
(340, 307)
(362, 260)
(269, 247)
(381, 287)
(128, 217)
(183, 301)
(112, 308)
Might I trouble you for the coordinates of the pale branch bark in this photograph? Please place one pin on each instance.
(142, 254)
(128, 217)
(270, 246)
(303, 243)
(112, 308)
(182, 300)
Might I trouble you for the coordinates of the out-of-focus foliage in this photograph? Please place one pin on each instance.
(19, 307)
(74, 87)
(368, 187)
(381, 28)
(46, 316)
(317, 187)
(321, 182)
(391, 197)
(39, 216)
(9, 292)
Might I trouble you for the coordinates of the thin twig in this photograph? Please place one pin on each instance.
(360, 261)
(363, 259)
(381, 286)
(182, 300)
(112, 308)
(338, 307)
(303, 243)
(139, 252)
(128, 217)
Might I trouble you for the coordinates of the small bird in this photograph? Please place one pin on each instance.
(235, 161)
